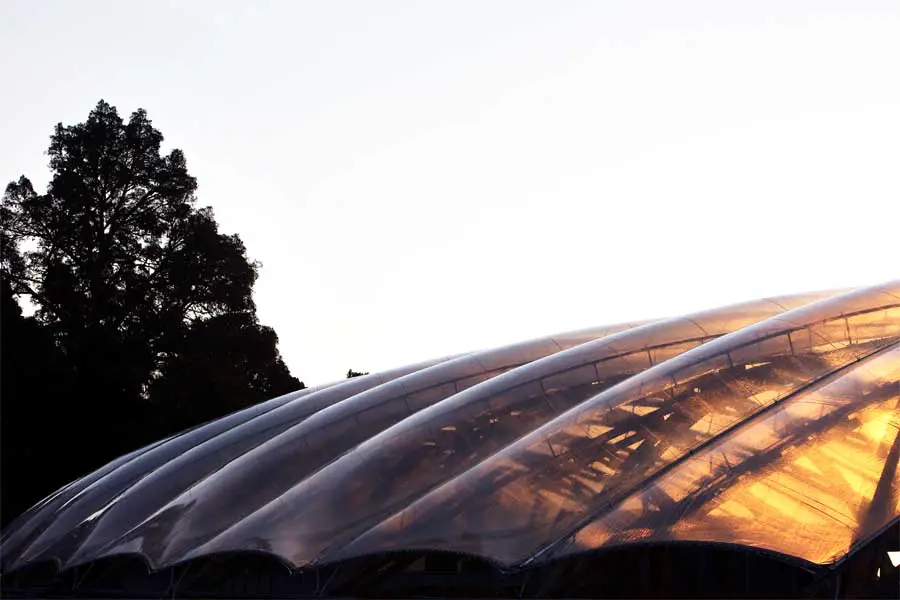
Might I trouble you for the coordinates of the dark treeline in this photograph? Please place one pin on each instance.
(143, 319)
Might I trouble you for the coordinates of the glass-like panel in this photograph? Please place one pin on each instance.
(33, 521)
(604, 449)
(241, 483)
(128, 495)
(388, 471)
(90, 493)
(809, 478)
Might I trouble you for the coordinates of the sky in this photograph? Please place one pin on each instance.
(423, 178)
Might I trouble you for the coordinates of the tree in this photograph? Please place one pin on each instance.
(230, 358)
(31, 377)
(351, 374)
(147, 305)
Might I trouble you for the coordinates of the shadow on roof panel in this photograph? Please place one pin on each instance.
(811, 478)
(269, 469)
(385, 473)
(156, 476)
(33, 522)
(533, 493)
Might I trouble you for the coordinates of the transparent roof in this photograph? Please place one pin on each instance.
(771, 423)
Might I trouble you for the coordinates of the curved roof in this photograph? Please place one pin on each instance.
(771, 424)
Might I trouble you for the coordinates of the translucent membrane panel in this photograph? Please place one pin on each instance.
(93, 491)
(270, 469)
(145, 484)
(538, 490)
(390, 470)
(32, 521)
(808, 478)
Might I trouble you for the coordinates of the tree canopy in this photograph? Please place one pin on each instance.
(144, 321)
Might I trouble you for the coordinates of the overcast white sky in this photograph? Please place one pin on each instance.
(426, 177)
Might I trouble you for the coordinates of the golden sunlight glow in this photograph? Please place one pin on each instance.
(766, 397)
(809, 499)
(769, 506)
(735, 509)
(807, 464)
(878, 427)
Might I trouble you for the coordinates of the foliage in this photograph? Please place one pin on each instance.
(144, 309)
(351, 373)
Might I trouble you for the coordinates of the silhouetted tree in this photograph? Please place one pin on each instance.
(351, 373)
(146, 307)
(230, 359)
(33, 390)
